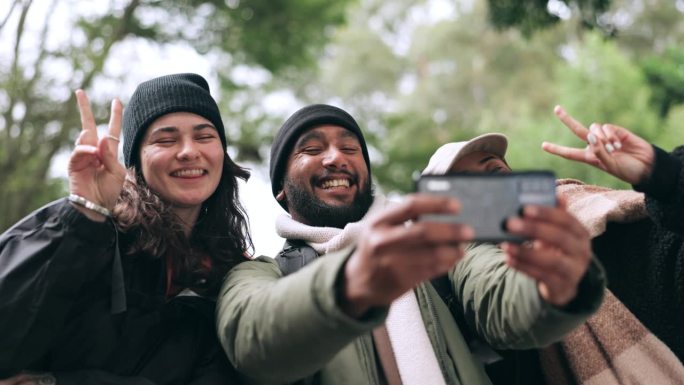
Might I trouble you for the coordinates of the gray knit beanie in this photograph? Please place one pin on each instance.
(308, 117)
(163, 95)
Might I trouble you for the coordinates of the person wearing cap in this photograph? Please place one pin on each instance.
(484, 153)
(116, 284)
(348, 301)
(636, 241)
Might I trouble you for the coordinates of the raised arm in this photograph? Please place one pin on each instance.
(625, 155)
(95, 174)
(560, 285)
(303, 320)
(47, 258)
(610, 148)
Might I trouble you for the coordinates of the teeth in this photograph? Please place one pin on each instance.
(335, 183)
(191, 172)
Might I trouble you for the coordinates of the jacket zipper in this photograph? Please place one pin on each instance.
(437, 339)
(365, 346)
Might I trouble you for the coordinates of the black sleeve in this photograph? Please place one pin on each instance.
(97, 377)
(45, 259)
(215, 369)
(665, 190)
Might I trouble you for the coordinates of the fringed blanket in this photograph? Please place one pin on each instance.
(613, 346)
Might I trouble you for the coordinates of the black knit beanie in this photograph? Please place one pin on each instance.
(308, 117)
(161, 96)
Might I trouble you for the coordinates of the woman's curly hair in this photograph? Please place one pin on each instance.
(220, 234)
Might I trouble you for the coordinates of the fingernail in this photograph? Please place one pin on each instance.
(617, 145)
(454, 206)
(514, 224)
(468, 233)
(610, 148)
(531, 211)
(591, 138)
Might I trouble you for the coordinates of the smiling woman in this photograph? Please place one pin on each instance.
(117, 283)
(182, 159)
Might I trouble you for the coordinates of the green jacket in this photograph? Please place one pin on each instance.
(280, 330)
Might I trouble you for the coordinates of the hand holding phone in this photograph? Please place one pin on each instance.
(487, 200)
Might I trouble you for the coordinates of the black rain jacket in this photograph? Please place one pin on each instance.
(71, 304)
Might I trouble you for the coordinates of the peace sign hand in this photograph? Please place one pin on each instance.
(611, 148)
(94, 170)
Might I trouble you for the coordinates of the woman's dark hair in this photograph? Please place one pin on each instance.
(220, 235)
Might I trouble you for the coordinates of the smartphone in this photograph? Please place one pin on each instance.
(487, 199)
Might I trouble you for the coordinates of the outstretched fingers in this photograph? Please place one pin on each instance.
(584, 155)
(601, 147)
(558, 255)
(88, 134)
(551, 225)
(431, 234)
(575, 126)
(414, 206)
(570, 153)
(110, 149)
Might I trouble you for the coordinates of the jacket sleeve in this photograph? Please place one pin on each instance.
(282, 329)
(97, 377)
(665, 190)
(44, 261)
(503, 306)
(217, 371)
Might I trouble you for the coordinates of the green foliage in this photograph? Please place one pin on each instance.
(527, 15)
(355, 46)
(533, 15)
(413, 81)
(460, 77)
(665, 74)
(650, 29)
(272, 34)
(469, 79)
(670, 134)
(39, 119)
(600, 85)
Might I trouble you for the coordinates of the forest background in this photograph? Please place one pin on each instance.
(415, 74)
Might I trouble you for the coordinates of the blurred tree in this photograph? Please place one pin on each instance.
(665, 74)
(671, 133)
(597, 82)
(38, 111)
(533, 15)
(653, 29)
(457, 77)
(450, 75)
(647, 27)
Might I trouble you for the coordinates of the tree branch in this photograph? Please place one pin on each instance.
(9, 13)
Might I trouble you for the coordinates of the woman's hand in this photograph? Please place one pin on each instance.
(94, 170)
(611, 148)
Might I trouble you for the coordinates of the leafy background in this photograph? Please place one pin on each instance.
(416, 74)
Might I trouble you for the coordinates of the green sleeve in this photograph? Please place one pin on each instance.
(504, 307)
(282, 329)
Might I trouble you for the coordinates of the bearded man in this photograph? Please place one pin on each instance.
(349, 299)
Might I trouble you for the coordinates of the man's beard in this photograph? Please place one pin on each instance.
(320, 214)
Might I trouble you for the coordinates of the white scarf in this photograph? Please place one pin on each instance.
(415, 357)
(326, 239)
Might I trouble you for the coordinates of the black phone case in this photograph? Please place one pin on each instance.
(488, 199)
